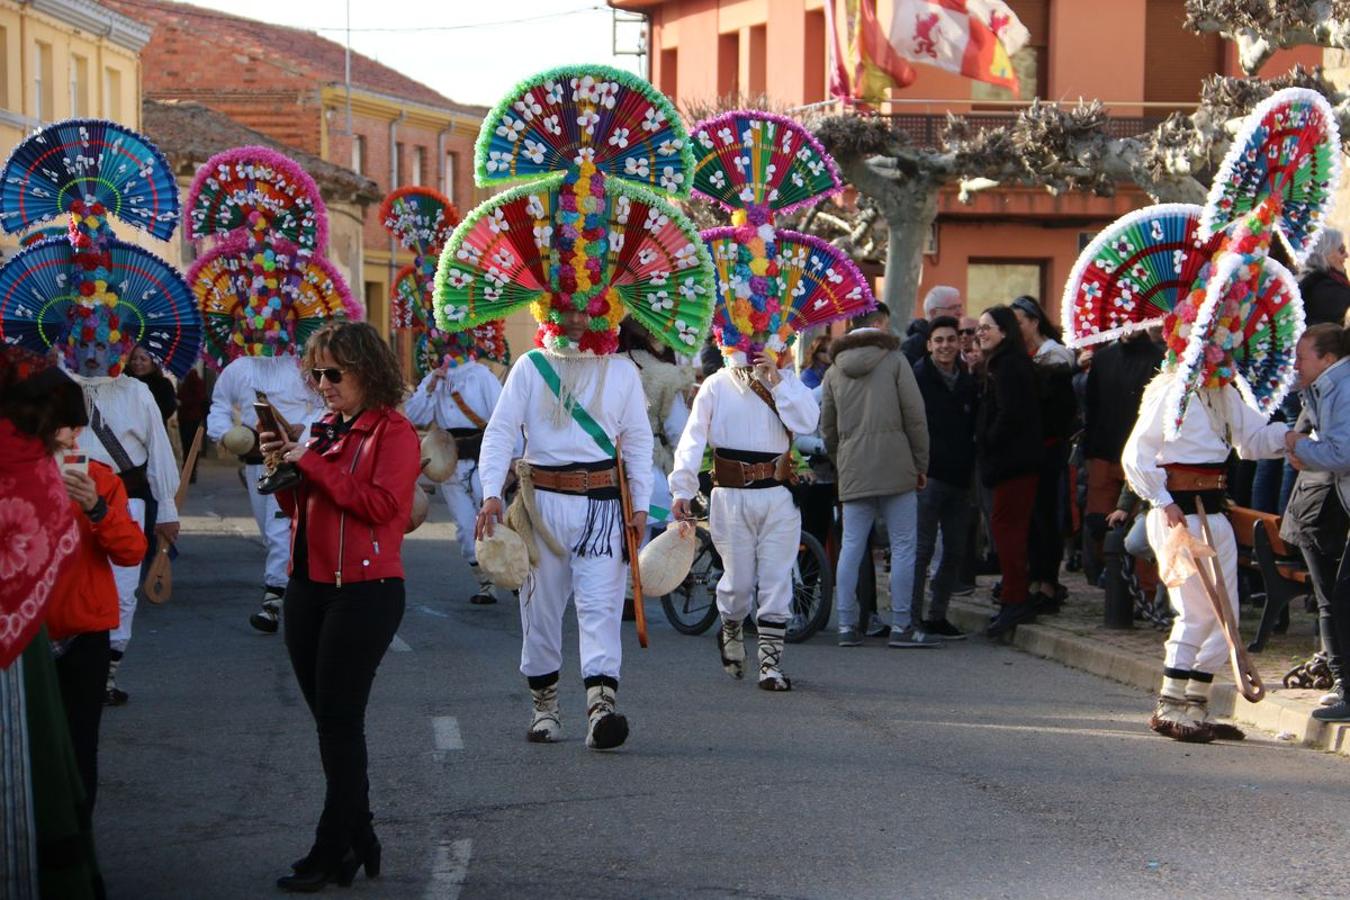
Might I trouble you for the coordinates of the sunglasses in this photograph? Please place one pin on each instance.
(966, 332)
(334, 376)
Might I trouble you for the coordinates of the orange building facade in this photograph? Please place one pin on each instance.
(1134, 55)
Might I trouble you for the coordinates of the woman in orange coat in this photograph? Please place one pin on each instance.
(84, 605)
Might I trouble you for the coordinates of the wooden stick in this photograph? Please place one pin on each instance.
(1244, 673)
(158, 583)
(632, 541)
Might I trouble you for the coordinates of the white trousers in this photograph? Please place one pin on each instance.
(757, 533)
(274, 526)
(463, 497)
(127, 579)
(595, 583)
(1197, 640)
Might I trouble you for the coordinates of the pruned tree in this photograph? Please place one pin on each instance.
(1069, 148)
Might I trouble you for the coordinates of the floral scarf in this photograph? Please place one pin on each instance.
(37, 533)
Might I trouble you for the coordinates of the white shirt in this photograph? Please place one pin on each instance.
(1197, 442)
(728, 415)
(475, 383)
(276, 376)
(528, 404)
(130, 412)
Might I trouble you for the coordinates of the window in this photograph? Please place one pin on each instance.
(112, 93)
(670, 72)
(990, 282)
(451, 167)
(396, 172)
(813, 60)
(79, 85)
(4, 69)
(44, 88)
(759, 65)
(729, 65)
(359, 154)
(419, 162)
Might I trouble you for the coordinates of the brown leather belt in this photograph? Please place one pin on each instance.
(574, 481)
(1181, 477)
(732, 473)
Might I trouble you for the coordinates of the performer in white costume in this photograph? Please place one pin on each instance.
(755, 525)
(581, 251)
(1232, 315)
(460, 397)
(770, 285)
(242, 383)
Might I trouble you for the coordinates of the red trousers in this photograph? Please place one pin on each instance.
(1010, 521)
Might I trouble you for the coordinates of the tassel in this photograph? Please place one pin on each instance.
(602, 516)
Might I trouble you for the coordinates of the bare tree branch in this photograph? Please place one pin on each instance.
(1261, 27)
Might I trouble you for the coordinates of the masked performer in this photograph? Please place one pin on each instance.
(95, 298)
(454, 392)
(589, 239)
(460, 395)
(1232, 317)
(770, 285)
(262, 291)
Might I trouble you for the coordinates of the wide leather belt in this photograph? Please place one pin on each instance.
(1193, 478)
(733, 473)
(574, 481)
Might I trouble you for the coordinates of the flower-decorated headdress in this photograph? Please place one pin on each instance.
(771, 284)
(80, 288)
(1229, 313)
(422, 220)
(266, 285)
(591, 229)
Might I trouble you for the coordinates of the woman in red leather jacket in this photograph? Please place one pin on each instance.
(345, 598)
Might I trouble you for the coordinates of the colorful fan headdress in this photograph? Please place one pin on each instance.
(771, 284)
(422, 220)
(592, 230)
(79, 288)
(267, 285)
(1230, 313)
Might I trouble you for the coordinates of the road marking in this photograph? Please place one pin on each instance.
(399, 645)
(449, 869)
(445, 736)
(434, 612)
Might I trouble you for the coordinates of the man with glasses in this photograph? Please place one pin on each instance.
(942, 300)
(276, 379)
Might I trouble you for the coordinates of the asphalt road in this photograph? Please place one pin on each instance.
(968, 771)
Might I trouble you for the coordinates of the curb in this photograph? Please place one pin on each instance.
(1277, 713)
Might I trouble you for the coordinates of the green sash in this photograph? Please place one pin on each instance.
(579, 414)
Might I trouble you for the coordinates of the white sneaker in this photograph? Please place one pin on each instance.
(1332, 697)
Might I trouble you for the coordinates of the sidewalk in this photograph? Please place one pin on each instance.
(1076, 638)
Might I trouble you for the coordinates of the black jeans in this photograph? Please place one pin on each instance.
(82, 671)
(1046, 546)
(336, 638)
(1333, 606)
(943, 508)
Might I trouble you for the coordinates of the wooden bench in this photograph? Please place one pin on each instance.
(1280, 566)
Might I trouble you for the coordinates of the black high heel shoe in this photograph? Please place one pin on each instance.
(313, 872)
(367, 850)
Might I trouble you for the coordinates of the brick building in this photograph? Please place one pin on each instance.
(289, 84)
(1134, 55)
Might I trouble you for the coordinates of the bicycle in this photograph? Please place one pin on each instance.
(692, 607)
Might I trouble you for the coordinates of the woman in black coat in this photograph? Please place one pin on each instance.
(1010, 446)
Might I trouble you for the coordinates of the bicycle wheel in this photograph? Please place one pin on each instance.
(812, 590)
(692, 607)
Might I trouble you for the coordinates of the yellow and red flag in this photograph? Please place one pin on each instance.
(974, 38)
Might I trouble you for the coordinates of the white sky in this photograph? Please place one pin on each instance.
(469, 50)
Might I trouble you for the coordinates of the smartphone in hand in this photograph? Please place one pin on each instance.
(74, 462)
(267, 420)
